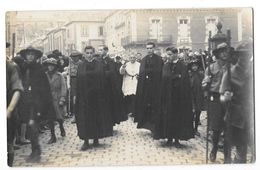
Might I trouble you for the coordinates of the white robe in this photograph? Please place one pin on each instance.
(130, 83)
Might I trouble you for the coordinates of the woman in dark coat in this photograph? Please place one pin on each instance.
(176, 117)
(92, 114)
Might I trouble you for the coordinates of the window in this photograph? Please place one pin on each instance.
(101, 31)
(155, 28)
(183, 21)
(211, 20)
(84, 30)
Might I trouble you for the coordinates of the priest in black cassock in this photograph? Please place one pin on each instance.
(176, 117)
(92, 114)
(147, 107)
(113, 86)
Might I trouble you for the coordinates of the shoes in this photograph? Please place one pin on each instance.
(85, 147)
(96, 143)
(33, 159)
(62, 132)
(52, 140)
(197, 133)
(213, 155)
(35, 156)
(177, 145)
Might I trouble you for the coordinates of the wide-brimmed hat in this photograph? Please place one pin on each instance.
(37, 52)
(52, 61)
(220, 47)
(75, 53)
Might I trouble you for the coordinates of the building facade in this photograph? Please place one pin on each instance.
(79, 34)
(186, 29)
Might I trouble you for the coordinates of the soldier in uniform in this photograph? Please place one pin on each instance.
(75, 60)
(211, 82)
(237, 90)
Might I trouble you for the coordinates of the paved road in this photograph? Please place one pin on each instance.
(128, 146)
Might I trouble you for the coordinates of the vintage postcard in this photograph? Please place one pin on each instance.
(130, 87)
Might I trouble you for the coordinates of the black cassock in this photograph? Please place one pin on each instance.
(92, 114)
(113, 89)
(176, 116)
(147, 107)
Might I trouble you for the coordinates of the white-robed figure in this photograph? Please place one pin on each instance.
(130, 70)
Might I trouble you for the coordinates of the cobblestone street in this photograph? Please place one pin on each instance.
(128, 146)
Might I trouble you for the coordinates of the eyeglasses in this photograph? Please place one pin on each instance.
(89, 53)
(149, 48)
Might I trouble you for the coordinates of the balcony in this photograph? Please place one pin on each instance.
(162, 40)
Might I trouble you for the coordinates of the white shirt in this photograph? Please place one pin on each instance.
(130, 73)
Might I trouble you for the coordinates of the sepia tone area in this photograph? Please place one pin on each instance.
(130, 87)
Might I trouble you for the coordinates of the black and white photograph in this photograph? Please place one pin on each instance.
(130, 87)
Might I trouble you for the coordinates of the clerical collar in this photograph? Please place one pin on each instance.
(105, 56)
(175, 61)
(90, 60)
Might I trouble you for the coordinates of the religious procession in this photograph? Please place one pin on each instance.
(164, 93)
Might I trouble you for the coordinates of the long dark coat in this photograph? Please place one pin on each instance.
(37, 93)
(176, 117)
(147, 107)
(93, 116)
(113, 89)
(196, 90)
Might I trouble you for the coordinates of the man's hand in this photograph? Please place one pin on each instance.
(31, 122)
(226, 97)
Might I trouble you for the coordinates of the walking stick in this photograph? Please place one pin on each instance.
(207, 133)
(69, 87)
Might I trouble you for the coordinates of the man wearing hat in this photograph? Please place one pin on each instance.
(75, 60)
(36, 99)
(14, 89)
(211, 83)
(237, 90)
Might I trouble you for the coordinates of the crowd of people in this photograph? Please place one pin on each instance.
(164, 94)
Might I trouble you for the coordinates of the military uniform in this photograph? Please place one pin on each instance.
(239, 117)
(216, 110)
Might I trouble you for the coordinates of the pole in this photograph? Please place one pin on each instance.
(68, 78)
(13, 44)
(207, 133)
